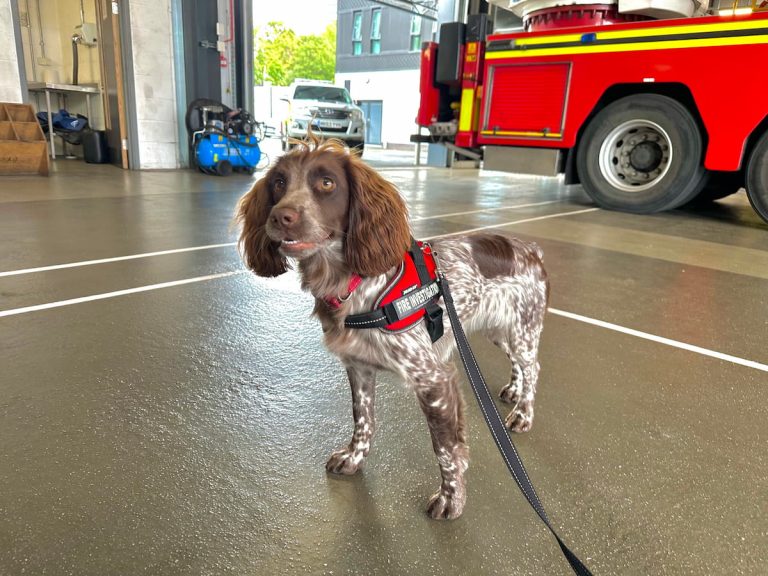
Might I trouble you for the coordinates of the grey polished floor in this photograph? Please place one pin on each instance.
(183, 429)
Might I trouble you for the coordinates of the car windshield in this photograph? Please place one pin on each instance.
(322, 93)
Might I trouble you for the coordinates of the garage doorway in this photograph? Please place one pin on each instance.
(113, 81)
(73, 59)
(373, 111)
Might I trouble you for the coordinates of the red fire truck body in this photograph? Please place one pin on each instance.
(646, 115)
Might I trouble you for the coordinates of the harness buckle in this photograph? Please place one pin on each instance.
(434, 321)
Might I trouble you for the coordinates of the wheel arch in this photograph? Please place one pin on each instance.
(754, 136)
(677, 91)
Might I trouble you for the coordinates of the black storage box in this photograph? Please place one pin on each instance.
(95, 150)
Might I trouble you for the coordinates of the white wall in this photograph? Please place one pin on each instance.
(10, 81)
(267, 104)
(152, 53)
(399, 92)
(57, 24)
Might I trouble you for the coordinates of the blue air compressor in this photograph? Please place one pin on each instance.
(222, 140)
(222, 153)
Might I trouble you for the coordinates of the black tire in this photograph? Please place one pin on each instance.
(641, 154)
(360, 147)
(757, 177)
(718, 185)
(224, 168)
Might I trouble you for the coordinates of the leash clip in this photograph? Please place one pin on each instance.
(438, 268)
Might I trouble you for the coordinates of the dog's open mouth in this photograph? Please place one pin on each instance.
(292, 246)
(296, 245)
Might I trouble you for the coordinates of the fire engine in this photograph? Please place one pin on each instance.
(647, 112)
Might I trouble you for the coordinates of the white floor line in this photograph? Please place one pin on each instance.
(661, 340)
(105, 295)
(535, 219)
(555, 311)
(115, 259)
(227, 244)
(514, 207)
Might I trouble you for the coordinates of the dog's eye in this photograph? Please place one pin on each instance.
(279, 184)
(327, 184)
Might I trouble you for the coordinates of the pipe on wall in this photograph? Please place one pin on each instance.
(42, 37)
(31, 42)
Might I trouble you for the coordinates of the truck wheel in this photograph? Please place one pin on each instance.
(757, 178)
(641, 154)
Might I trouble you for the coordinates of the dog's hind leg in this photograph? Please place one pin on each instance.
(348, 460)
(521, 390)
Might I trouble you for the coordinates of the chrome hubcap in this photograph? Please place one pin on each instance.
(636, 155)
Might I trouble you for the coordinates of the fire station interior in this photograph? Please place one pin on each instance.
(76, 54)
(165, 411)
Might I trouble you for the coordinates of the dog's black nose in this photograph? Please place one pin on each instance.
(285, 217)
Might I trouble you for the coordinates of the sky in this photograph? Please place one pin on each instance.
(302, 16)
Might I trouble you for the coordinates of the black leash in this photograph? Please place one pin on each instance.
(425, 297)
(498, 430)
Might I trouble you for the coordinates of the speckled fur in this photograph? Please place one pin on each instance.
(499, 286)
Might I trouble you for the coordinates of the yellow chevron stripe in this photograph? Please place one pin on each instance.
(629, 47)
(691, 29)
(465, 112)
(523, 134)
(643, 33)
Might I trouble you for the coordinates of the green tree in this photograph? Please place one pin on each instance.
(281, 56)
(275, 48)
(316, 56)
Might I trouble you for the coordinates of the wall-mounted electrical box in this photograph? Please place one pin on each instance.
(87, 32)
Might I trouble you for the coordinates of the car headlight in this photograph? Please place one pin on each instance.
(304, 112)
(357, 115)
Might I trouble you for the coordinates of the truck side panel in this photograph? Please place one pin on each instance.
(718, 59)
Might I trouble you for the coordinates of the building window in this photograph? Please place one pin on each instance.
(376, 31)
(415, 33)
(357, 33)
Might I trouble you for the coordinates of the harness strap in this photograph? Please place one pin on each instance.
(434, 314)
(374, 319)
(422, 298)
(499, 431)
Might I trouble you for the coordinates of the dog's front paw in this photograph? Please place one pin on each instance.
(520, 419)
(345, 461)
(446, 505)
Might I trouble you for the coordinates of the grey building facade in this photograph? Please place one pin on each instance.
(378, 54)
(396, 34)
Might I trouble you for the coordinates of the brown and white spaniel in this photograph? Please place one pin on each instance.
(321, 207)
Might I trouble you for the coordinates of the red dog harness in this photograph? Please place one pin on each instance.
(411, 295)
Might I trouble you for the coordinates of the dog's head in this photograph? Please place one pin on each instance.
(321, 200)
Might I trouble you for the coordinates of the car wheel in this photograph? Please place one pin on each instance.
(224, 168)
(641, 154)
(757, 177)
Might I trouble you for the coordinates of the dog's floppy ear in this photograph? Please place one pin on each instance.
(259, 252)
(378, 233)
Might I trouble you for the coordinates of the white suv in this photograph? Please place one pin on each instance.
(329, 110)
